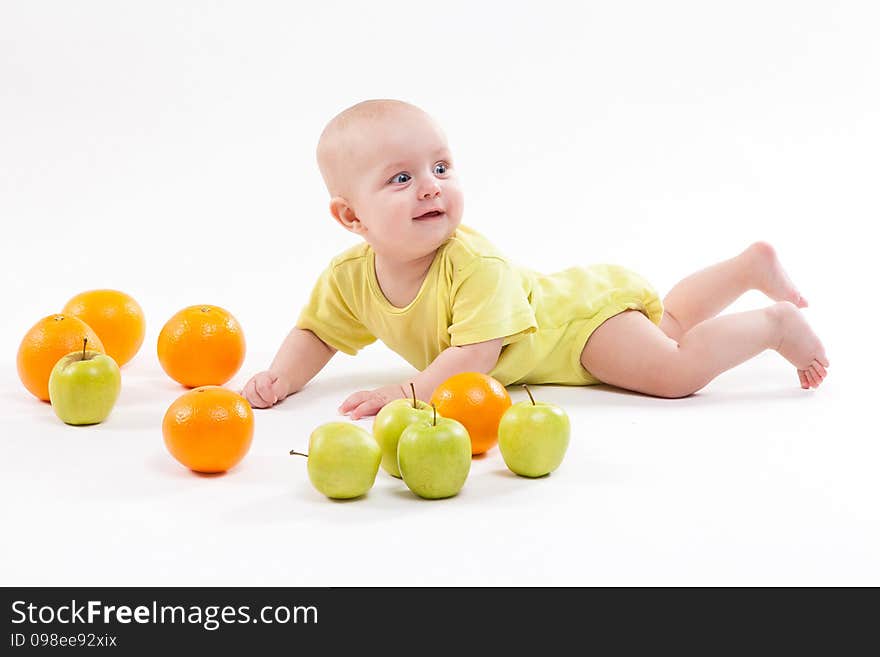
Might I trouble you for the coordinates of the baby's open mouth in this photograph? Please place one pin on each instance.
(429, 215)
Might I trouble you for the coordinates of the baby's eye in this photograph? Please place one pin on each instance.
(440, 168)
(400, 178)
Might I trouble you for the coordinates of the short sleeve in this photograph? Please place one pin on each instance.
(489, 302)
(328, 316)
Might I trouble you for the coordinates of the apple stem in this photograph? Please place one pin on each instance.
(85, 340)
(413, 388)
(530, 394)
(435, 414)
(293, 452)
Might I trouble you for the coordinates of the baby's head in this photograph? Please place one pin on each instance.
(388, 167)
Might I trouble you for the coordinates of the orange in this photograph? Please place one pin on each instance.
(208, 429)
(477, 401)
(201, 346)
(116, 318)
(47, 341)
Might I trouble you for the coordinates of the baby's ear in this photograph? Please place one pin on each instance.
(344, 214)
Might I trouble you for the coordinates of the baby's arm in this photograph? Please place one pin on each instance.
(301, 356)
(476, 357)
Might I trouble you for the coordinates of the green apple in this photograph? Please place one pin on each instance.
(343, 460)
(434, 457)
(390, 423)
(533, 437)
(83, 386)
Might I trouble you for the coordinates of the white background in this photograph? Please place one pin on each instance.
(167, 149)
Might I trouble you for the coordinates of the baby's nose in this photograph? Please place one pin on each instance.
(431, 190)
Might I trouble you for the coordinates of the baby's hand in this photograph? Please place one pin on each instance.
(264, 390)
(369, 402)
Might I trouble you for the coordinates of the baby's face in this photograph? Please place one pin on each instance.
(405, 191)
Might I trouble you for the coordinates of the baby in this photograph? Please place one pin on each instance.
(440, 295)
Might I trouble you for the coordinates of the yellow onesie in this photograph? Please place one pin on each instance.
(472, 294)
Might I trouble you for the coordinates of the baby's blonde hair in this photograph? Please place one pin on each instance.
(337, 141)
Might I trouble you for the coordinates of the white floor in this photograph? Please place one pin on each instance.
(753, 481)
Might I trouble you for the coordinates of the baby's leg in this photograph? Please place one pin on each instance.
(629, 351)
(706, 293)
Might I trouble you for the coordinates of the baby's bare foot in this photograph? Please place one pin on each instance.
(770, 277)
(799, 345)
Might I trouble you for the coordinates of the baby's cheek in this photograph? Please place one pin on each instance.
(454, 201)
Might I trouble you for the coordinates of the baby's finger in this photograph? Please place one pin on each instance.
(250, 393)
(353, 400)
(279, 389)
(264, 389)
(366, 409)
(805, 384)
(819, 368)
(816, 374)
